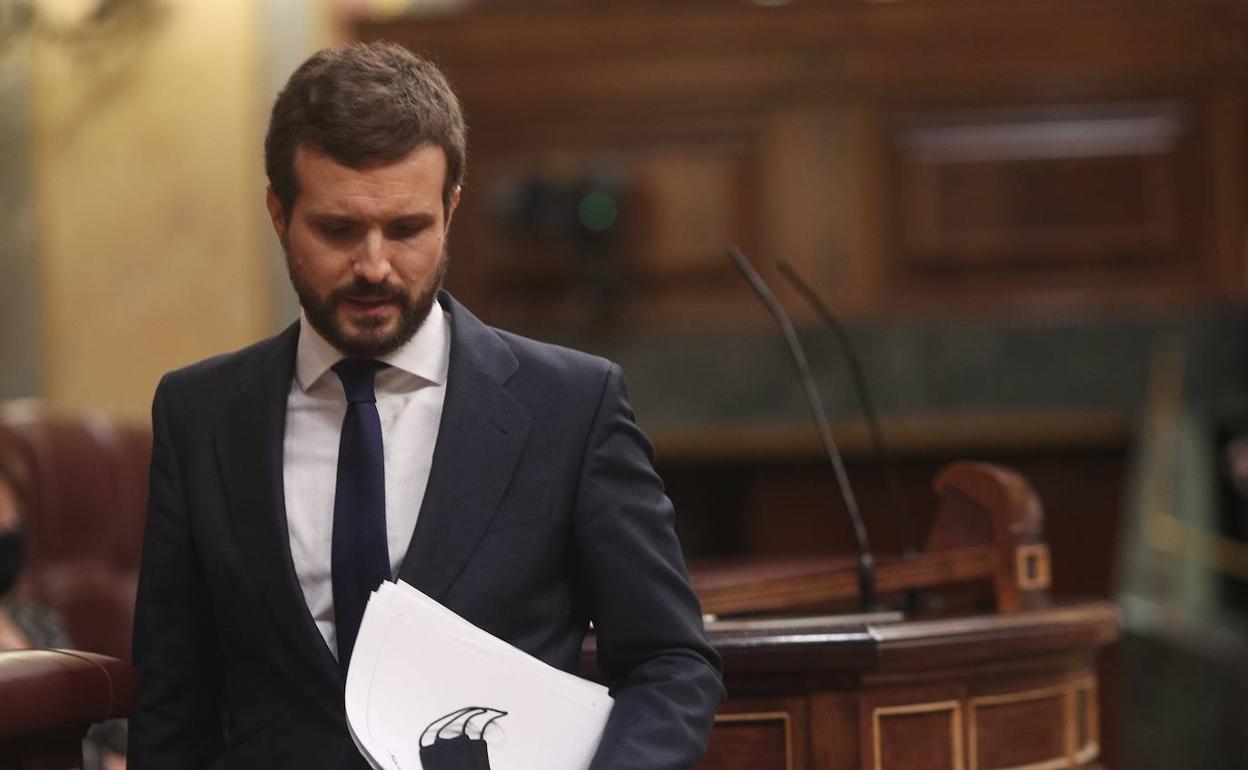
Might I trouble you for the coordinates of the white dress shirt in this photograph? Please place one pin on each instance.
(410, 395)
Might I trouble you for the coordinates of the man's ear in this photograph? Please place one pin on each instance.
(450, 210)
(276, 215)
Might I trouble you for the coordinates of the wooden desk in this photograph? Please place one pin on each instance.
(1011, 687)
(988, 692)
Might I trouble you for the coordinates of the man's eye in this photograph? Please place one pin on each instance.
(406, 231)
(337, 231)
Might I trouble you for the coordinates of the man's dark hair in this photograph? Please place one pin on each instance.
(363, 105)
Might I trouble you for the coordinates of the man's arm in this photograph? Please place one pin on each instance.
(652, 648)
(178, 720)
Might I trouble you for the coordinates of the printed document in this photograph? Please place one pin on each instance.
(423, 681)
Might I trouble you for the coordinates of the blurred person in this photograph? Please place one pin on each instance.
(20, 622)
(388, 433)
(26, 624)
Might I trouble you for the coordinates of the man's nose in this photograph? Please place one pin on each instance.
(372, 263)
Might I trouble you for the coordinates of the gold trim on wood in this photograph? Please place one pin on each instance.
(1087, 754)
(1092, 749)
(1044, 571)
(1075, 756)
(767, 716)
(1060, 763)
(955, 727)
(1039, 693)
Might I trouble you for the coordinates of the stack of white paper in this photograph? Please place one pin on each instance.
(416, 661)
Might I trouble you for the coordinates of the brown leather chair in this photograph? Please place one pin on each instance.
(48, 699)
(84, 523)
(84, 518)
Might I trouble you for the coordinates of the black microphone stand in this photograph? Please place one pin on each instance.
(866, 562)
(905, 521)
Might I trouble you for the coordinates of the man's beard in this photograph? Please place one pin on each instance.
(323, 313)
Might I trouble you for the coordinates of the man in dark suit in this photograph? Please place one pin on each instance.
(389, 433)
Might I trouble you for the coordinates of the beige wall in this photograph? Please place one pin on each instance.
(19, 317)
(149, 198)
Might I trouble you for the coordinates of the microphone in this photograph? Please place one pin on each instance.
(905, 521)
(866, 562)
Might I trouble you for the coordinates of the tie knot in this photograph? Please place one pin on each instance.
(357, 378)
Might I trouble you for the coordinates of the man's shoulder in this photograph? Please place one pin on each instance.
(552, 358)
(534, 361)
(218, 372)
(551, 379)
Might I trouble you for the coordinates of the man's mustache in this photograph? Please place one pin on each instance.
(365, 290)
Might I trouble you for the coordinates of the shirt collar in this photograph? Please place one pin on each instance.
(426, 355)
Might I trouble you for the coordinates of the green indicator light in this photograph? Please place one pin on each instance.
(597, 212)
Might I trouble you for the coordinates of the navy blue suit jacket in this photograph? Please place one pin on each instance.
(542, 513)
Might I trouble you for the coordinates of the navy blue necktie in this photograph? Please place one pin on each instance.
(360, 558)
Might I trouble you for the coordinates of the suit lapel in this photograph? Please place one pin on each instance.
(249, 449)
(480, 440)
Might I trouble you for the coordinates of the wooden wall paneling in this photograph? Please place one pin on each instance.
(815, 205)
(1226, 158)
(685, 188)
(1013, 188)
(1087, 197)
(692, 206)
(815, 91)
(867, 151)
(989, 52)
